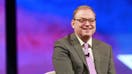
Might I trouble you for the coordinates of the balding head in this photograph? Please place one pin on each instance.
(83, 7)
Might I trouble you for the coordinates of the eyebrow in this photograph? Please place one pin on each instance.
(86, 18)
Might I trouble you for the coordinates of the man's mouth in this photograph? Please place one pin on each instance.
(87, 28)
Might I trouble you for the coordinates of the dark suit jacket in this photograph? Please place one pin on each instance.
(68, 57)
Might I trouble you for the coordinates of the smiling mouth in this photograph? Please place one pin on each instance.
(88, 28)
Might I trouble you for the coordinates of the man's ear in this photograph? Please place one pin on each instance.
(72, 24)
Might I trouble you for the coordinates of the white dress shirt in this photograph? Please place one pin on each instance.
(88, 42)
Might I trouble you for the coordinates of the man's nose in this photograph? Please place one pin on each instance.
(87, 23)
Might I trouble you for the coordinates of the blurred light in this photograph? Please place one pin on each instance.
(126, 60)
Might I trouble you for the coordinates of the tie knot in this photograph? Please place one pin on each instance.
(86, 45)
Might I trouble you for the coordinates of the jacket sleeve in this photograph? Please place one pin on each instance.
(61, 59)
(111, 69)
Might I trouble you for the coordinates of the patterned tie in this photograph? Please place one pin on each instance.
(90, 61)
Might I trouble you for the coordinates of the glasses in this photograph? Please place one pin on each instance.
(84, 20)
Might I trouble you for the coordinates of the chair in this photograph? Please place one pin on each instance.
(50, 72)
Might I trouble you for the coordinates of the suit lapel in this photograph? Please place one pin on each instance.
(95, 50)
(96, 54)
(78, 48)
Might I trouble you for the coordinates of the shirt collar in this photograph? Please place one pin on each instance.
(81, 42)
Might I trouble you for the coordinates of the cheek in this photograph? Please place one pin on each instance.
(78, 30)
(93, 26)
(77, 27)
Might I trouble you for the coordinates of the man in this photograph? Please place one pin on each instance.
(79, 53)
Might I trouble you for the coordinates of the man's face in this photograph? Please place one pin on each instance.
(84, 23)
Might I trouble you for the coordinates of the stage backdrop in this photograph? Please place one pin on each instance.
(2, 38)
(41, 22)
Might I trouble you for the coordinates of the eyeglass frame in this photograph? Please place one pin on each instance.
(84, 20)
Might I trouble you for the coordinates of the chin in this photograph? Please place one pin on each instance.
(87, 34)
